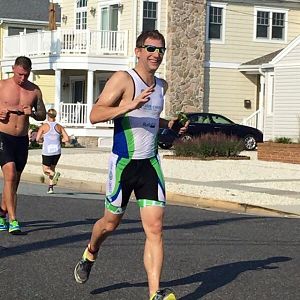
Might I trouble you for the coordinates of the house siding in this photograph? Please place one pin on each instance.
(46, 84)
(227, 82)
(287, 103)
(239, 46)
(228, 89)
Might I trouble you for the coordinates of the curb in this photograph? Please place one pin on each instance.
(173, 198)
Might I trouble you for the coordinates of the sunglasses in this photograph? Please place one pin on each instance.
(149, 48)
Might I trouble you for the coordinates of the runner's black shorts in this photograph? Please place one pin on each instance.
(14, 149)
(50, 160)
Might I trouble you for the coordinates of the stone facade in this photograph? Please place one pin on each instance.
(185, 56)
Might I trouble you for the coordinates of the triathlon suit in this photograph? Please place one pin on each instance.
(51, 146)
(134, 163)
(14, 149)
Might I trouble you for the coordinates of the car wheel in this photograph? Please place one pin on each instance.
(186, 138)
(250, 142)
(165, 146)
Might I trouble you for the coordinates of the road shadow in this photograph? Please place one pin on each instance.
(52, 243)
(209, 280)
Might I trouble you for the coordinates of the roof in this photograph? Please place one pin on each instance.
(262, 59)
(33, 10)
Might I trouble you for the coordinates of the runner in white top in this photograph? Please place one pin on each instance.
(134, 100)
(52, 134)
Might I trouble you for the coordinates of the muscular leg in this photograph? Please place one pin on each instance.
(152, 220)
(9, 195)
(103, 227)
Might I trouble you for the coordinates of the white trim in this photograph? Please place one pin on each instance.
(219, 5)
(109, 2)
(286, 50)
(23, 22)
(224, 65)
(270, 10)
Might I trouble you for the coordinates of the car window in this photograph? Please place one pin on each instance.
(199, 119)
(219, 120)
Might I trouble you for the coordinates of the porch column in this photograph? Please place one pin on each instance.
(260, 120)
(30, 78)
(57, 93)
(90, 97)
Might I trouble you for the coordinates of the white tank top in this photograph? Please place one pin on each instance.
(135, 133)
(52, 141)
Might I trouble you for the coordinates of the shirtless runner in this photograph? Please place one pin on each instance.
(19, 100)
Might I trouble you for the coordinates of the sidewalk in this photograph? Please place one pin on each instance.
(250, 186)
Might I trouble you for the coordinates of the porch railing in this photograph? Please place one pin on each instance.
(254, 120)
(76, 115)
(56, 42)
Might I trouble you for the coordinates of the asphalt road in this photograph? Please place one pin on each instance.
(209, 255)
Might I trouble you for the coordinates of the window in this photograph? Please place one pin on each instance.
(270, 25)
(17, 30)
(149, 15)
(216, 22)
(110, 18)
(81, 14)
(220, 120)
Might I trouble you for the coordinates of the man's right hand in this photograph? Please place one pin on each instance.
(3, 114)
(142, 98)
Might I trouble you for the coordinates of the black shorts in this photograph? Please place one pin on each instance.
(14, 149)
(50, 160)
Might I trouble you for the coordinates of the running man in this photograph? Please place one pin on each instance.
(134, 100)
(19, 100)
(53, 134)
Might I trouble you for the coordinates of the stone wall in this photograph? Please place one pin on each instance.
(185, 56)
(88, 141)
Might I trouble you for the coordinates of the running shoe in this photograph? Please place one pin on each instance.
(14, 227)
(83, 268)
(164, 294)
(55, 178)
(50, 190)
(3, 224)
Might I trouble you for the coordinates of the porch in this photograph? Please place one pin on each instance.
(66, 41)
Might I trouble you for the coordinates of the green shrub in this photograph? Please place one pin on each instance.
(34, 127)
(283, 140)
(209, 145)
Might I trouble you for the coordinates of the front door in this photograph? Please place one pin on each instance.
(78, 91)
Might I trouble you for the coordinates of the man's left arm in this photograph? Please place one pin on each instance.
(39, 113)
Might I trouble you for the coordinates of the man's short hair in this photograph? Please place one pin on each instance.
(153, 34)
(52, 113)
(24, 62)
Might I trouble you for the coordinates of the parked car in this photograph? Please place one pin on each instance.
(202, 123)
